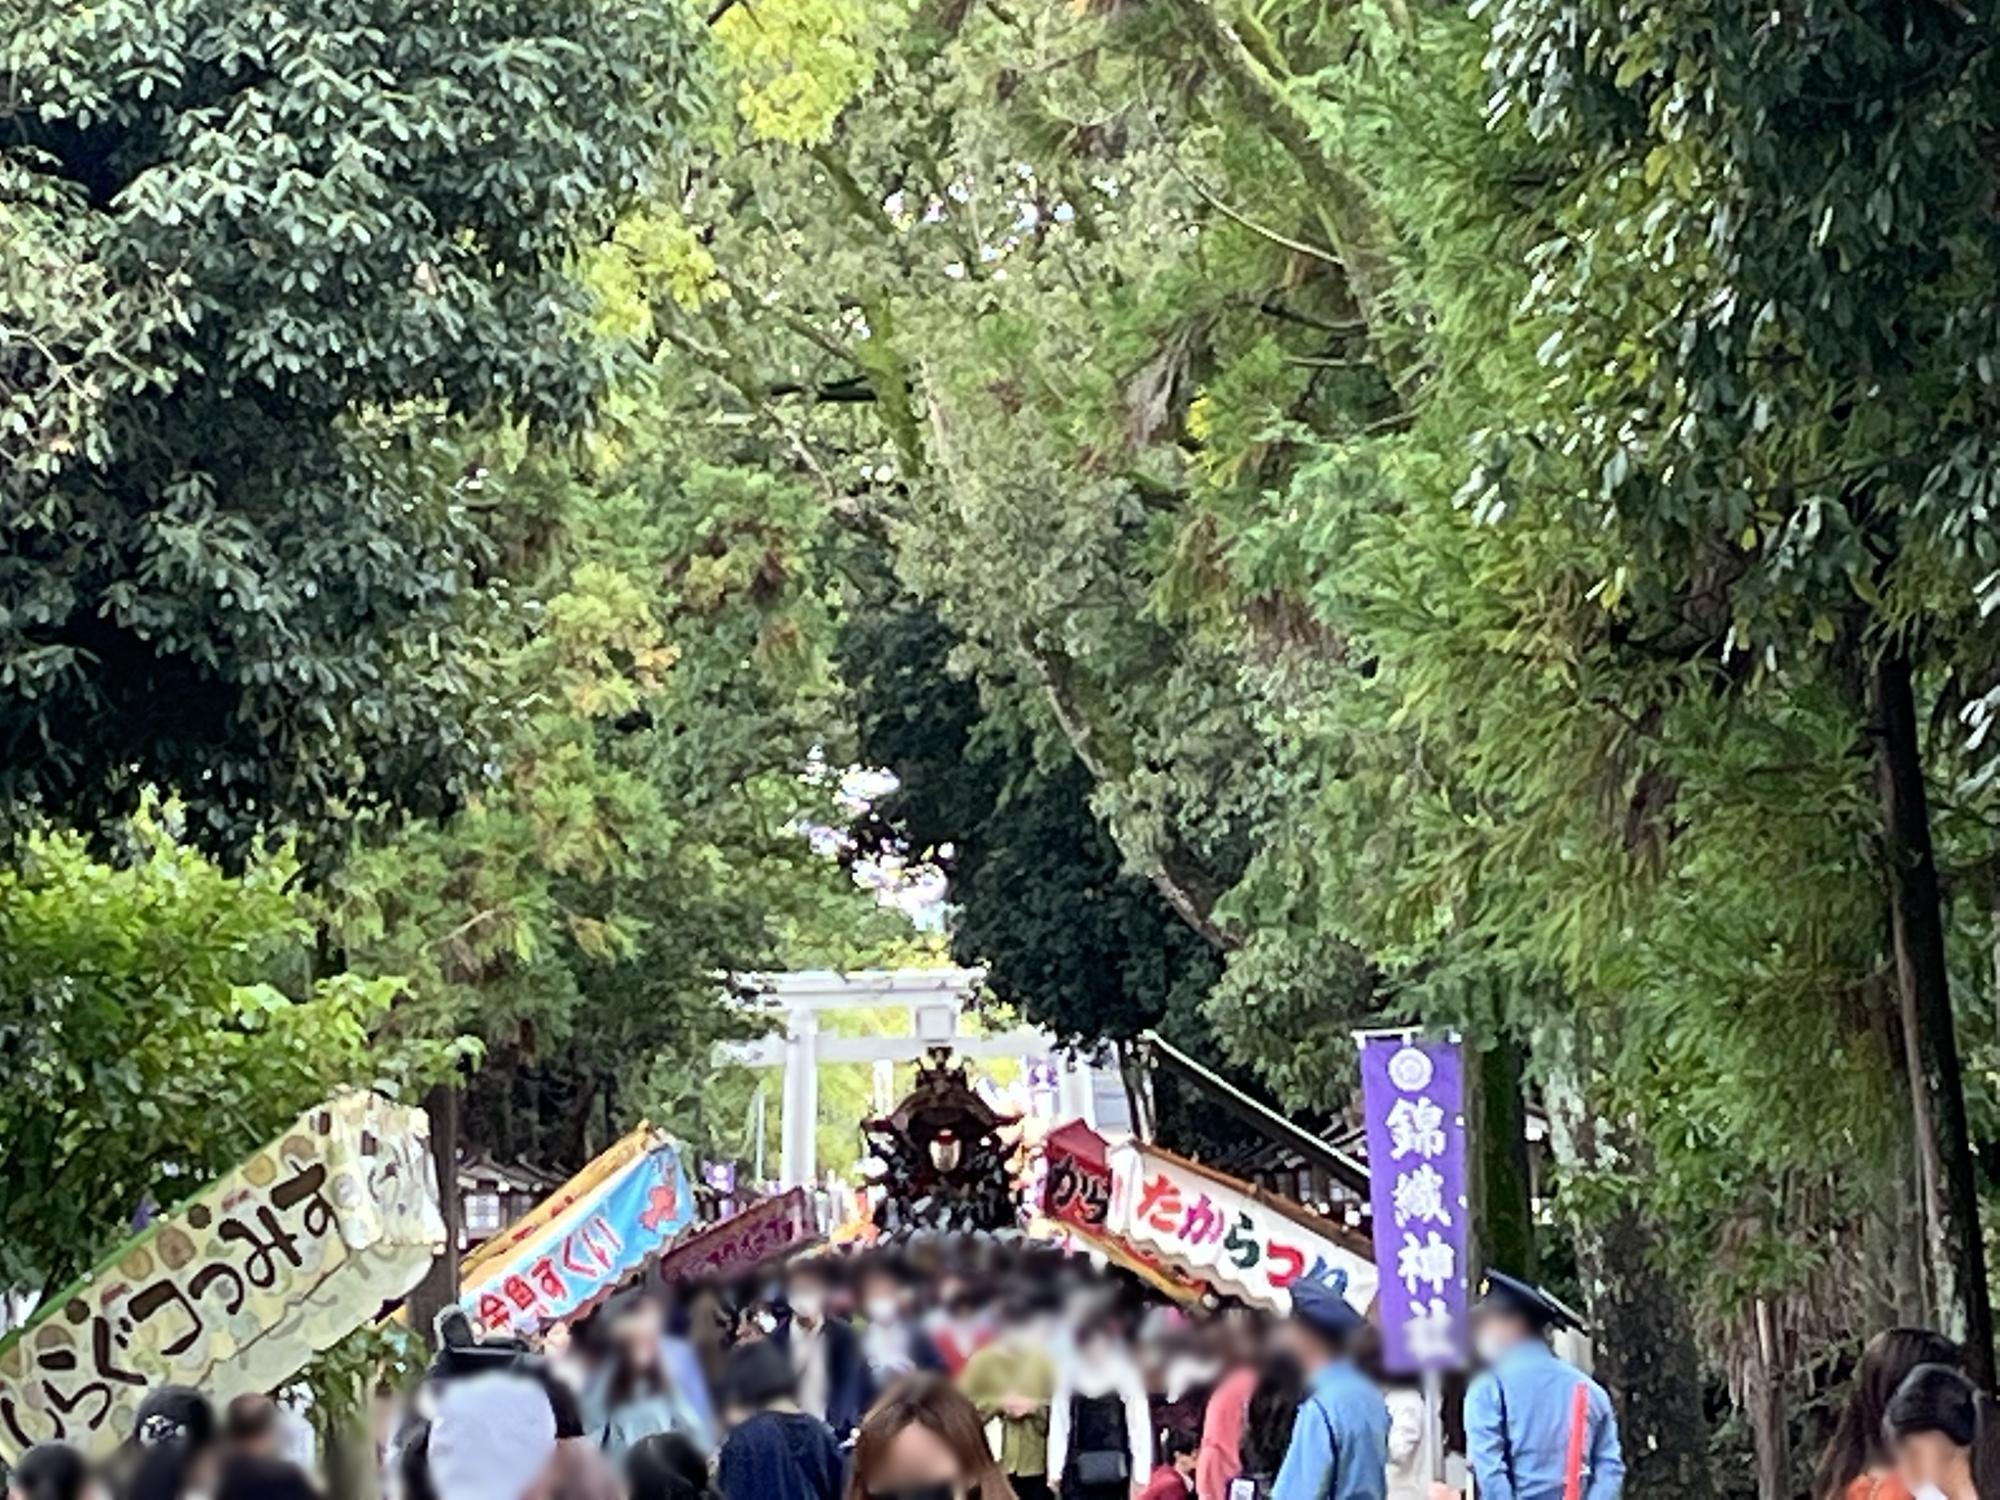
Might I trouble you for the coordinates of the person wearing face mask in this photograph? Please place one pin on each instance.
(963, 1331)
(825, 1352)
(924, 1442)
(1523, 1408)
(634, 1394)
(1932, 1426)
(1100, 1421)
(892, 1343)
(754, 1321)
(1010, 1383)
(1339, 1448)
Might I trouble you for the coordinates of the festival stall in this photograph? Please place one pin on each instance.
(1076, 1192)
(1163, 1212)
(783, 1225)
(239, 1287)
(613, 1159)
(1234, 1235)
(580, 1245)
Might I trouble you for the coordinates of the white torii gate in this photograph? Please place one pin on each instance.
(935, 998)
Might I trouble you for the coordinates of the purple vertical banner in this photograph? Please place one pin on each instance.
(1413, 1093)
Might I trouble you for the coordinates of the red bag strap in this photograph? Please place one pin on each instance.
(1579, 1423)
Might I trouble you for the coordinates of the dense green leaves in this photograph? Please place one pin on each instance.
(269, 259)
(1333, 513)
(1447, 481)
(159, 1023)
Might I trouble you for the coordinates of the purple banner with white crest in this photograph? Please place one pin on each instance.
(1413, 1094)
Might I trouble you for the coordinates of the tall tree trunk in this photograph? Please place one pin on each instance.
(1643, 1338)
(1894, 1224)
(1946, 1174)
(1504, 1217)
(439, 1288)
(1770, 1428)
(1642, 1332)
(574, 1149)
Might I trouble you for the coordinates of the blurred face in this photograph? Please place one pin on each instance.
(267, 1443)
(1926, 1461)
(1098, 1342)
(638, 1336)
(1496, 1330)
(806, 1296)
(917, 1465)
(881, 1299)
(1305, 1346)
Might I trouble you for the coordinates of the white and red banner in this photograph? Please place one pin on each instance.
(1232, 1234)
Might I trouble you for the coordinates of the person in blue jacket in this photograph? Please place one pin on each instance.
(1519, 1409)
(1340, 1438)
(774, 1451)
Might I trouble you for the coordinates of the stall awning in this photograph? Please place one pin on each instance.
(239, 1287)
(1347, 1170)
(578, 1246)
(783, 1225)
(1233, 1235)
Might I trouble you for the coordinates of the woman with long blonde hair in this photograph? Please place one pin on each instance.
(924, 1441)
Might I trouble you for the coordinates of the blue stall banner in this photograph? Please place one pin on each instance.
(583, 1255)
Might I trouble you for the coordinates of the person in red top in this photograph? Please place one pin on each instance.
(1856, 1464)
(1236, 1340)
(964, 1330)
(1221, 1457)
(1173, 1479)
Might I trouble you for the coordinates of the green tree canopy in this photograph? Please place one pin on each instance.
(270, 260)
(158, 1027)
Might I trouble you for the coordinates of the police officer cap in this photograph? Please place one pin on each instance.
(1324, 1310)
(1542, 1308)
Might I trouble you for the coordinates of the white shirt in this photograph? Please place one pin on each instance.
(1082, 1375)
(809, 1364)
(1406, 1476)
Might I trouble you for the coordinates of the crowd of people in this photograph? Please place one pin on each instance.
(976, 1370)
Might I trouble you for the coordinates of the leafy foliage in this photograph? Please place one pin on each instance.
(150, 1043)
(1332, 513)
(1448, 483)
(272, 258)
